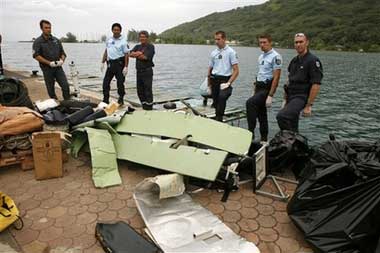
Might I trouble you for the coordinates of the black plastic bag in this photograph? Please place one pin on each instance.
(288, 150)
(55, 117)
(337, 202)
(78, 117)
(121, 238)
(13, 92)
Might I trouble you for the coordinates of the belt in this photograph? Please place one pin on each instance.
(117, 60)
(220, 77)
(144, 70)
(264, 84)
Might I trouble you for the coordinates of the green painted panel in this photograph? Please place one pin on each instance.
(103, 157)
(178, 125)
(184, 160)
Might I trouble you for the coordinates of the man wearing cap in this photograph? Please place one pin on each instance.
(270, 63)
(48, 51)
(222, 72)
(304, 81)
(116, 57)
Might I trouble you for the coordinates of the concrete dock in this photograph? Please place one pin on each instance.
(60, 214)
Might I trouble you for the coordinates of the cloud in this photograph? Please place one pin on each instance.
(89, 19)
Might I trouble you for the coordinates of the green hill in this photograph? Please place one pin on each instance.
(331, 24)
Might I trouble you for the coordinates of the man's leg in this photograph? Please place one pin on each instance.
(288, 117)
(62, 81)
(148, 94)
(215, 89)
(106, 85)
(120, 78)
(140, 88)
(222, 103)
(49, 82)
(255, 106)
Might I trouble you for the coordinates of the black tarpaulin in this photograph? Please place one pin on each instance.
(288, 150)
(337, 202)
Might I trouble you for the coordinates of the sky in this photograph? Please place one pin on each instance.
(89, 19)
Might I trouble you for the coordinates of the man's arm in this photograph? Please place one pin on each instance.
(37, 53)
(134, 53)
(104, 58)
(126, 60)
(62, 52)
(316, 75)
(42, 60)
(235, 73)
(315, 88)
(209, 71)
(275, 81)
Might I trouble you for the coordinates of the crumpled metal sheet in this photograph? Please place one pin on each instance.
(103, 156)
(178, 224)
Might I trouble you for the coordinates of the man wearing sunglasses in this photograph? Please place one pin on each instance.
(304, 80)
(270, 63)
(222, 72)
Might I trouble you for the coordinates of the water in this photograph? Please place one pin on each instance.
(348, 105)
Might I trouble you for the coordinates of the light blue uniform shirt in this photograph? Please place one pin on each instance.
(268, 62)
(116, 48)
(221, 61)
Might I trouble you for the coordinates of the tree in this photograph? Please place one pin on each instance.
(103, 38)
(70, 38)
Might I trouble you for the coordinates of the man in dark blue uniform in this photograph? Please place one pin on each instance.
(144, 53)
(48, 51)
(304, 80)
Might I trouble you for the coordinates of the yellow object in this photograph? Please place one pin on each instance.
(8, 211)
(111, 108)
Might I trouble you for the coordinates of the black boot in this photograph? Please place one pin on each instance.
(120, 101)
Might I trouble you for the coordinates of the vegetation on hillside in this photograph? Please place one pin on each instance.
(331, 24)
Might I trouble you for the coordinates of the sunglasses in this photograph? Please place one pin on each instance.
(300, 35)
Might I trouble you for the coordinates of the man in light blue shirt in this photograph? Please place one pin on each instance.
(270, 63)
(222, 72)
(116, 56)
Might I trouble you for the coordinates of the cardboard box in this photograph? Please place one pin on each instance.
(47, 154)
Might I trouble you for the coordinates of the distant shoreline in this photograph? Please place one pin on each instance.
(234, 45)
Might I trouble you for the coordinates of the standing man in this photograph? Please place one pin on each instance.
(222, 72)
(305, 76)
(270, 63)
(1, 61)
(48, 51)
(144, 53)
(116, 56)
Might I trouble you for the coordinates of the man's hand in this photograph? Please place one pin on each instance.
(125, 71)
(268, 102)
(224, 86)
(53, 64)
(209, 90)
(307, 111)
(59, 63)
(283, 104)
(136, 54)
(102, 67)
